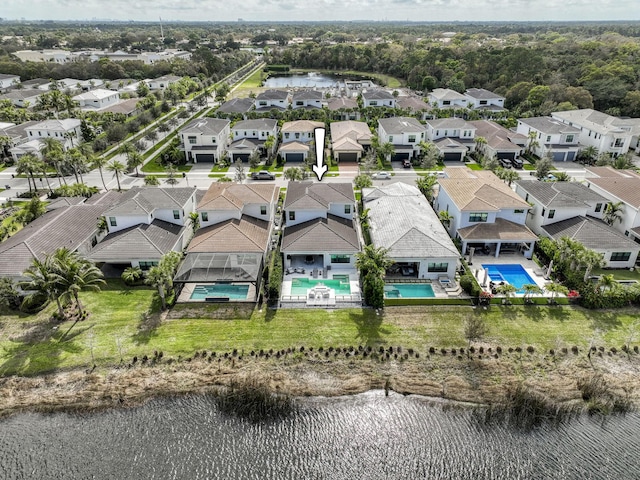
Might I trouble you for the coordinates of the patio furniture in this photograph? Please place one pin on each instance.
(444, 282)
(315, 273)
(312, 294)
(326, 295)
(288, 271)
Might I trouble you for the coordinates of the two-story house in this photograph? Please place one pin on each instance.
(8, 80)
(97, 99)
(482, 99)
(485, 212)
(236, 106)
(343, 108)
(205, 139)
(226, 255)
(349, 139)
(608, 134)
(404, 133)
(501, 142)
(66, 131)
(297, 137)
(146, 223)
(547, 136)
(454, 137)
(571, 209)
(308, 99)
(415, 106)
(250, 136)
(444, 98)
(163, 82)
(23, 98)
(378, 98)
(269, 99)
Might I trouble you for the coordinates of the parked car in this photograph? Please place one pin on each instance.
(517, 163)
(382, 176)
(505, 162)
(438, 174)
(406, 163)
(263, 175)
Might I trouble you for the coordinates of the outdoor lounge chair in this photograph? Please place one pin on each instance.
(444, 282)
(312, 295)
(315, 273)
(288, 271)
(325, 295)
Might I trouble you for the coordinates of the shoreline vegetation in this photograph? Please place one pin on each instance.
(127, 351)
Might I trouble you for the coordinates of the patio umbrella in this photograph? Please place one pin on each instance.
(549, 269)
(486, 276)
(471, 250)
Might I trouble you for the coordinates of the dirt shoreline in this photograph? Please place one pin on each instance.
(482, 379)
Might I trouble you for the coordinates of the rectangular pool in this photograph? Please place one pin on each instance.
(222, 290)
(515, 275)
(299, 286)
(408, 290)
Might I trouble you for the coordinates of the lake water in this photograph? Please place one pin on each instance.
(305, 80)
(363, 436)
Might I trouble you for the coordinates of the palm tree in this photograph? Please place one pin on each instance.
(529, 290)
(131, 275)
(507, 290)
(151, 181)
(135, 160)
(100, 162)
(532, 142)
(590, 259)
(28, 163)
(426, 185)
(76, 274)
(157, 277)
(171, 173)
(41, 284)
(52, 151)
(118, 168)
(195, 221)
(480, 143)
(373, 263)
(589, 154)
(607, 282)
(385, 150)
(508, 175)
(613, 212)
(445, 217)
(554, 289)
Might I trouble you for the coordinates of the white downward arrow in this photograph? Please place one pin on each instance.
(319, 168)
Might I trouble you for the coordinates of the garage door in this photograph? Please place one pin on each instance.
(398, 157)
(294, 157)
(507, 155)
(204, 157)
(241, 156)
(348, 157)
(571, 156)
(558, 156)
(449, 157)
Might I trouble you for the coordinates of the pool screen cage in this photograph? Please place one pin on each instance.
(219, 267)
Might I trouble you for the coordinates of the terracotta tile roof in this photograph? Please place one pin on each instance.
(338, 103)
(626, 189)
(485, 192)
(247, 235)
(301, 126)
(309, 195)
(233, 196)
(331, 234)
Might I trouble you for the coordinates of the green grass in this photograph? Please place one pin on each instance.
(219, 168)
(252, 82)
(528, 166)
(618, 274)
(30, 345)
(152, 166)
(474, 166)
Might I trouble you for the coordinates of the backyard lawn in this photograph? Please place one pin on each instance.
(125, 320)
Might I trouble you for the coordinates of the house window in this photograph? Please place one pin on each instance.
(340, 259)
(552, 213)
(297, 135)
(205, 216)
(112, 221)
(483, 102)
(347, 209)
(620, 256)
(299, 103)
(618, 143)
(526, 197)
(543, 212)
(373, 103)
(437, 267)
(548, 138)
(147, 265)
(292, 215)
(262, 103)
(192, 140)
(478, 217)
(519, 210)
(446, 102)
(412, 139)
(598, 207)
(569, 138)
(213, 140)
(176, 214)
(626, 233)
(286, 135)
(263, 209)
(390, 138)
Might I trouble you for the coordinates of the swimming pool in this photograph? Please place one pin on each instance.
(515, 275)
(220, 290)
(299, 286)
(408, 290)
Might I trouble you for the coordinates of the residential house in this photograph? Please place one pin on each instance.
(608, 134)
(378, 98)
(343, 108)
(232, 242)
(250, 136)
(66, 131)
(54, 56)
(17, 134)
(146, 223)
(23, 98)
(8, 80)
(296, 139)
(163, 82)
(404, 133)
(486, 213)
(481, 99)
(269, 99)
(128, 107)
(415, 106)
(354, 87)
(349, 139)
(97, 99)
(548, 136)
(444, 98)
(454, 137)
(309, 99)
(236, 106)
(619, 186)
(402, 221)
(205, 139)
(502, 143)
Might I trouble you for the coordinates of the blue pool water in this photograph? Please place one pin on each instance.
(408, 290)
(515, 275)
(232, 292)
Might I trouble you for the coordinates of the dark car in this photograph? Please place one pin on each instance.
(517, 163)
(406, 163)
(263, 175)
(505, 162)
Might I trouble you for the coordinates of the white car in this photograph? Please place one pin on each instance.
(382, 176)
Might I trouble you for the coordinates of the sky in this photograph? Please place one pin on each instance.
(322, 10)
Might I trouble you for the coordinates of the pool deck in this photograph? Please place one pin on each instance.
(289, 299)
(187, 291)
(532, 269)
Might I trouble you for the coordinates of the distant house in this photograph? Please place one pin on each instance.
(163, 82)
(296, 139)
(8, 81)
(236, 106)
(415, 106)
(97, 99)
(309, 99)
(404, 133)
(128, 107)
(486, 213)
(502, 143)
(250, 136)
(23, 98)
(608, 134)
(146, 224)
(66, 131)
(454, 137)
(378, 98)
(278, 99)
(547, 136)
(205, 139)
(343, 108)
(402, 221)
(349, 140)
(444, 98)
(481, 99)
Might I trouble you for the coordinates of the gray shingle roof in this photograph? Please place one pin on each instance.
(273, 95)
(548, 125)
(481, 94)
(560, 194)
(592, 233)
(246, 235)
(307, 95)
(331, 234)
(377, 95)
(317, 196)
(237, 105)
(502, 230)
(257, 124)
(399, 125)
(205, 126)
(338, 103)
(147, 199)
